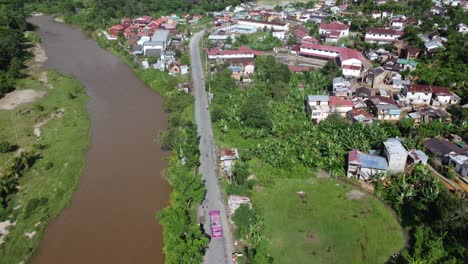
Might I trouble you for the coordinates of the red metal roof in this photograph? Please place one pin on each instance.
(321, 47)
(419, 88)
(241, 50)
(350, 67)
(338, 101)
(442, 91)
(360, 111)
(263, 22)
(382, 100)
(334, 26)
(347, 54)
(383, 31)
(295, 68)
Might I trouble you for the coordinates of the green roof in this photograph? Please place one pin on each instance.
(405, 62)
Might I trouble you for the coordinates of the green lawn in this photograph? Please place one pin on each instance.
(327, 227)
(47, 187)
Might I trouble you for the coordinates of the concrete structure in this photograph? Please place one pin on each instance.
(162, 36)
(349, 60)
(242, 52)
(418, 94)
(442, 96)
(382, 35)
(318, 107)
(460, 163)
(384, 108)
(396, 155)
(335, 28)
(279, 34)
(417, 156)
(364, 166)
(263, 24)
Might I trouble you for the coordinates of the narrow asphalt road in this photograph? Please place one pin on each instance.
(220, 249)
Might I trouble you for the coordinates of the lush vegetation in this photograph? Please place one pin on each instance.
(95, 14)
(37, 184)
(323, 225)
(435, 218)
(276, 139)
(12, 43)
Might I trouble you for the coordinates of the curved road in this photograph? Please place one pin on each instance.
(220, 249)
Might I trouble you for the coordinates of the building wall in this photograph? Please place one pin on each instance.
(371, 38)
(321, 53)
(396, 161)
(262, 25)
(231, 56)
(419, 98)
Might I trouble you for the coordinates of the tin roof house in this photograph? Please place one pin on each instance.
(364, 166)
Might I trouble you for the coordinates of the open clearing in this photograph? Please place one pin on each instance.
(19, 97)
(325, 221)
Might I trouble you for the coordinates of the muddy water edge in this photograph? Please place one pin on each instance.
(111, 218)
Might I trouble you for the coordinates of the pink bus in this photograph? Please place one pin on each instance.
(216, 228)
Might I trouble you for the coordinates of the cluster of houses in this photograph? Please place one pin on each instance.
(396, 158)
(422, 103)
(157, 37)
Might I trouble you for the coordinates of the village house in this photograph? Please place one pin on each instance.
(333, 31)
(382, 35)
(144, 20)
(441, 149)
(341, 87)
(460, 164)
(227, 157)
(409, 65)
(237, 71)
(384, 108)
(363, 93)
(360, 115)
(262, 24)
(320, 106)
(396, 155)
(349, 60)
(417, 94)
(242, 52)
(364, 166)
(417, 156)
(279, 34)
(411, 52)
(442, 96)
(183, 87)
(427, 114)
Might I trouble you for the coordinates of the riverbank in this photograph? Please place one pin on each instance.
(54, 128)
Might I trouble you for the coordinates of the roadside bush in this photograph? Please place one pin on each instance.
(243, 218)
(6, 147)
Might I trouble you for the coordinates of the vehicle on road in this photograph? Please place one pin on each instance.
(216, 228)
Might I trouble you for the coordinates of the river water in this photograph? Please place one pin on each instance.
(111, 218)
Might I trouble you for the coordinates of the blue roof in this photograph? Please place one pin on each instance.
(373, 161)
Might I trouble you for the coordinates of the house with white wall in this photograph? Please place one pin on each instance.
(318, 107)
(382, 35)
(334, 31)
(417, 94)
(363, 166)
(396, 155)
(263, 24)
(442, 96)
(241, 53)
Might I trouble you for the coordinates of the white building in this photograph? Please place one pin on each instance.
(381, 35)
(334, 29)
(279, 34)
(396, 155)
(418, 94)
(460, 163)
(462, 28)
(241, 53)
(442, 96)
(263, 24)
(318, 107)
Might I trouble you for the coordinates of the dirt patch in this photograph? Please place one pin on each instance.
(4, 230)
(16, 98)
(303, 196)
(355, 195)
(37, 127)
(311, 237)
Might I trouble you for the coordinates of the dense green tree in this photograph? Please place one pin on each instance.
(254, 112)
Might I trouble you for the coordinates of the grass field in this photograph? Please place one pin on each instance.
(326, 226)
(48, 185)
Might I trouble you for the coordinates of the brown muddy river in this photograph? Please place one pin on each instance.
(111, 218)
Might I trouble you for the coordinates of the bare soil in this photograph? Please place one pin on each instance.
(19, 97)
(355, 195)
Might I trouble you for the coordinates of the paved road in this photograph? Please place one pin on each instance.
(220, 249)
